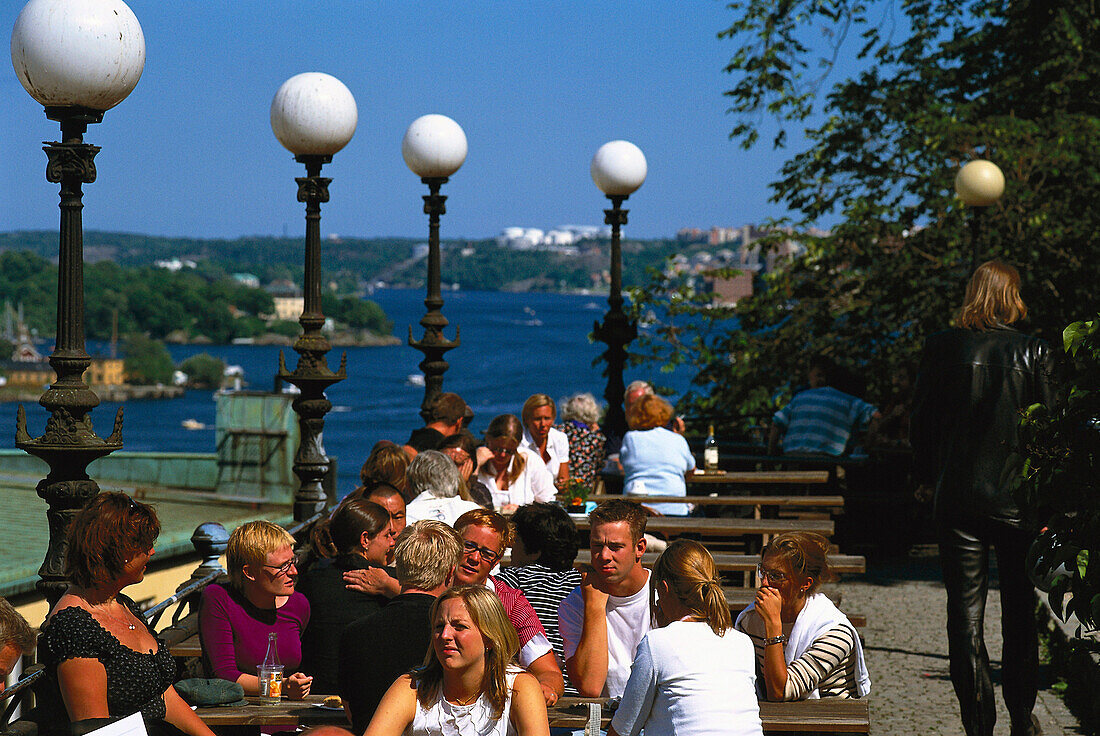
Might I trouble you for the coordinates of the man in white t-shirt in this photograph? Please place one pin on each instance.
(603, 620)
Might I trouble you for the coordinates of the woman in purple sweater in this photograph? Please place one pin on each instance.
(235, 619)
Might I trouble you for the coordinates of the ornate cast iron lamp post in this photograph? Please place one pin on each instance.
(434, 148)
(78, 58)
(313, 115)
(978, 184)
(618, 168)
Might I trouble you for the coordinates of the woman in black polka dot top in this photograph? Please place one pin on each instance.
(104, 660)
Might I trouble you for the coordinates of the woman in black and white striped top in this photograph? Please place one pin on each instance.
(805, 647)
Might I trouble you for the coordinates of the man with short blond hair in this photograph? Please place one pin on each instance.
(377, 649)
(605, 618)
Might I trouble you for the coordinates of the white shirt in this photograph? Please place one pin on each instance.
(447, 510)
(557, 447)
(533, 484)
(442, 717)
(628, 620)
(688, 681)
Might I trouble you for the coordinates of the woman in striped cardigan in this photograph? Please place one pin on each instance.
(805, 647)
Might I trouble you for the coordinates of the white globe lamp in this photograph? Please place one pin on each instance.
(619, 168)
(313, 114)
(434, 147)
(78, 53)
(980, 183)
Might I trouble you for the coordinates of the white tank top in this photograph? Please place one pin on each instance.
(447, 719)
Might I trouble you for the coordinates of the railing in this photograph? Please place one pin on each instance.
(16, 694)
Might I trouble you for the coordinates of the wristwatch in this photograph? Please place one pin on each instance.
(781, 639)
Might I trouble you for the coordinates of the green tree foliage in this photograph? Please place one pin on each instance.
(1060, 461)
(943, 82)
(285, 327)
(158, 302)
(360, 314)
(203, 370)
(147, 360)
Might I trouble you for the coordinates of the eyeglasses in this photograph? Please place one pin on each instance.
(773, 575)
(485, 553)
(501, 450)
(284, 569)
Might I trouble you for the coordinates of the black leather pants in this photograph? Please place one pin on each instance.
(964, 554)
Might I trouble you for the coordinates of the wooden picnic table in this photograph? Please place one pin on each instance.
(759, 477)
(830, 714)
(673, 526)
(815, 502)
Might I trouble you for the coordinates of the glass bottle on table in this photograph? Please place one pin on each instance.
(271, 673)
(710, 452)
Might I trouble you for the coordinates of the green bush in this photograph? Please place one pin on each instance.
(1059, 456)
(203, 370)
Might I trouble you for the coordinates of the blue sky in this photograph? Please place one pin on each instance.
(537, 87)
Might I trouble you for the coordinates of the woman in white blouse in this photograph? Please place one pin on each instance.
(540, 437)
(695, 674)
(515, 476)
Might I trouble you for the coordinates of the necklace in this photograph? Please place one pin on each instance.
(128, 624)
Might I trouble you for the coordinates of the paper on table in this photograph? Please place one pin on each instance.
(131, 725)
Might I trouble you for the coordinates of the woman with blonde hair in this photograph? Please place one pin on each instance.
(541, 437)
(236, 619)
(514, 475)
(805, 647)
(694, 674)
(973, 381)
(655, 459)
(469, 682)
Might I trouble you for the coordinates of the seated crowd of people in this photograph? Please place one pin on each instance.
(443, 596)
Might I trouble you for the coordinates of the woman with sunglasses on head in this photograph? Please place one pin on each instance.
(694, 674)
(514, 475)
(805, 647)
(236, 619)
(468, 683)
(103, 660)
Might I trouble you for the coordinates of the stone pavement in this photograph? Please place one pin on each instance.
(906, 650)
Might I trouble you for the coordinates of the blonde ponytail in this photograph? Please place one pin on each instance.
(689, 570)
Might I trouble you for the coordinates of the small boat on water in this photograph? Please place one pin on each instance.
(414, 379)
(192, 424)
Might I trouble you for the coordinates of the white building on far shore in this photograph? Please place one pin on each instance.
(563, 238)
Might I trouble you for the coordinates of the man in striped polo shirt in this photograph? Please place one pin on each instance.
(821, 419)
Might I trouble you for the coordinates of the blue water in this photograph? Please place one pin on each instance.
(513, 345)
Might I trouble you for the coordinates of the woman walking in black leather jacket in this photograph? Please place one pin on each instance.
(974, 380)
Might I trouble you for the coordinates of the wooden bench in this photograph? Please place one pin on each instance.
(675, 526)
(813, 502)
(832, 714)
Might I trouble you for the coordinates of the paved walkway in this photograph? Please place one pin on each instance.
(906, 644)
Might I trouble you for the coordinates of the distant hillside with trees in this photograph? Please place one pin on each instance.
(204, 303)
(352, 263)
